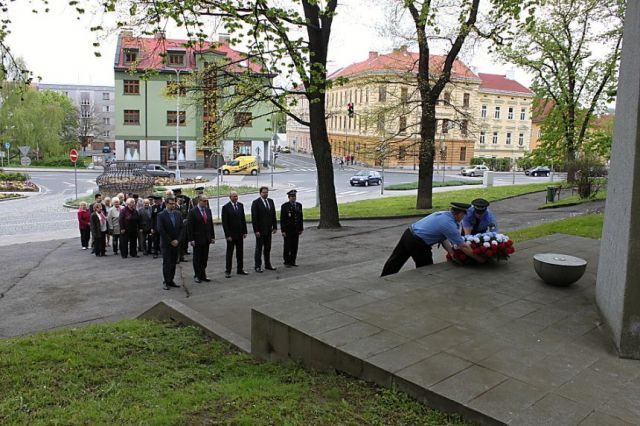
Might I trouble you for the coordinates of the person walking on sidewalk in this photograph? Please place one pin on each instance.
(169, 228)
(263, 219)
(200, 234)
(234, 225)
(416, 242)
(291, 226)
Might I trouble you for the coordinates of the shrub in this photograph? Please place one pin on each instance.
(61, 161)
(15, 176)
(496, 164)
(588, 175)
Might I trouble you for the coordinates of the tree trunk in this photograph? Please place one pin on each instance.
(427, 154)
(329, 216)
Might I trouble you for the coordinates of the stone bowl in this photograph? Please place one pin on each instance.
(559, 269)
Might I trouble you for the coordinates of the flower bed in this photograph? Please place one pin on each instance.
(8, 196)
(487, 246)
(18, 186)
(161, 181)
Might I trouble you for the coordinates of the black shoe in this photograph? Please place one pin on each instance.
(205, 279)
(173, 284)
(227, 274)
(259, 270)
(243, 273)
(134, 255)
(165, 286)
(124, 257)
(196, 279)
(155, 256)
(293, 264)
(286, 265)
(271, 268)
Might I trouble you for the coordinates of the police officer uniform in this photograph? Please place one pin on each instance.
(417, 240)
(291, 225)
(479, 218)
(156, 209)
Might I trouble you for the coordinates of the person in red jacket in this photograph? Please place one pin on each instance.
(83, 222)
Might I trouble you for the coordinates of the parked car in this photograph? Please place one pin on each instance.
(366, 178)
(106, 149)
(477, 170)
(159, 171)
(538, 171)
(285, 150)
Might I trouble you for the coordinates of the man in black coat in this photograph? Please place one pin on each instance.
(156, 209)
(263, 218)
(200, 234)
(234, 225)
(291, 227)
(169, 226)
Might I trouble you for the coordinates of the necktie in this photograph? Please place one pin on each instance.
(173, 218)
(266, 204)
(235, 206)
(204, 215)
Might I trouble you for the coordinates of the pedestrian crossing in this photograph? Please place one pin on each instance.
(348, 193)
(314, 169)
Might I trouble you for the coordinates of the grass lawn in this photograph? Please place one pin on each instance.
(436, 184)
(141, 372)
(573, 200)
(589, 226)
(405, 204)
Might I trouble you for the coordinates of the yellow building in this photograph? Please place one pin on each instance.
(504, 119)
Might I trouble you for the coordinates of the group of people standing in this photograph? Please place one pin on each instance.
(171, 225)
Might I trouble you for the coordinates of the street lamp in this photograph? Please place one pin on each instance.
(258, 165)
(178, 123)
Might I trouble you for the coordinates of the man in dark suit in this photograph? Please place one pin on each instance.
(263, 218)
(235, 231)
(156, 209)
(169, 226)
(200, 234)
(291, 227)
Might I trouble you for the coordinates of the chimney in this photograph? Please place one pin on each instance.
(126, 33)
(224, 38)
(511, 74)
(400, 49)
(373, 54)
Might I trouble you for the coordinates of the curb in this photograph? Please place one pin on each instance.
(14, 198)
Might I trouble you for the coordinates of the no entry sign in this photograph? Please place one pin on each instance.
(73, 155)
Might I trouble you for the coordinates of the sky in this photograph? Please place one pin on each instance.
(57, 46)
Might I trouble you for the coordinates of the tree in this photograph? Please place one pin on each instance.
(559, 43)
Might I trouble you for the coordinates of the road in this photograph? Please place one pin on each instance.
(42, 217)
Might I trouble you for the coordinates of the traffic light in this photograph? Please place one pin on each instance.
(350, 109)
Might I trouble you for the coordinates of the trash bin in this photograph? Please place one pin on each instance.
(551, 193)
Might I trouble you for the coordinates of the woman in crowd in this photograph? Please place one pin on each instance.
(99, 229)
(114, 223)
(107, 204)
(84, 218)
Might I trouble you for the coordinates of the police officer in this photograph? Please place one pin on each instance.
(479, 218)
(156, 209)
(291, 226)
(439, 227)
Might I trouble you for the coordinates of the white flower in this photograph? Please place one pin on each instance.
(476, 240)
(494, 243)
(487, 245)
(486, 238)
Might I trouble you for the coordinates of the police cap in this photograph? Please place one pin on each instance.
(480, 204)
(176, 190)
(292, 192)
(460, 206)
(200, 189)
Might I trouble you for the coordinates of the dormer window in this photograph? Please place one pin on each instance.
(176, 58)
(130, 56)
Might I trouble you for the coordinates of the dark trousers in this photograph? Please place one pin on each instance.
(129, 243)
(184, 246)
(169, 260)
(85, 235)
(155, 242)
(100, 241)
(115, 239)
(238, 245)
(408, 246)
(291, 248)
(142, 241)
(200, 259)
(263, 244)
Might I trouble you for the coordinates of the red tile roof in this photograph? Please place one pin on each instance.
(150, 50)
(541, 109)
(401, 60)
(502, 83)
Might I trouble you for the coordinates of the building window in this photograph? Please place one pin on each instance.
(495, 138)
(176, 59)
(508, 138)
(366, 95)
(482, 138)
(523, 113)
(464, 127)
(510, 113)
(402, 153)
(496, 114)
(84, 100)
(466, 100)
(445, 126)
(521, 139)
(483, 111)
(171, 118)
(106, 121)
(403, 95)
(106, 96)
(172, 88)
(106, 134)
(106, 108)
(380, 122)
(132, 117)
(447, 98)
(243, 119)
(403, 125)
(360, 95)
(85, 113)
(130, 56)
(463, 153)
(382, 93)
(131, 87)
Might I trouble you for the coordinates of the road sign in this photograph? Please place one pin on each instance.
(1, 154)
(24, 150)
(25, 161)
(73, 155)
(7, 145)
